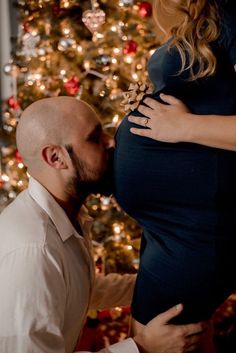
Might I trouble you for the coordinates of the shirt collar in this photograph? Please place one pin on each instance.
(58, 216)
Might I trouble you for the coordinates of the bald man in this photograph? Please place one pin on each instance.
(47, 277)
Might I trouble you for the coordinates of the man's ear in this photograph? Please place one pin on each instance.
(54, 157)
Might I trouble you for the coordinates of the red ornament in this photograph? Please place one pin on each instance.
(130, 47)
(145, 9)
(18, 157)
(104, 314)
(72, 86)
(26, 26)
(13, 103)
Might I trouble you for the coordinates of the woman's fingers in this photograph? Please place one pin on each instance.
(174, 102)
(141, 132)
(146, 111)
(152, 103)
(139, 120)
(170, 99)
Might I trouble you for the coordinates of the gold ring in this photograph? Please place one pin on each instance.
(146, 122)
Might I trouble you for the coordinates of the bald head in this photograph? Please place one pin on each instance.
(48, 121)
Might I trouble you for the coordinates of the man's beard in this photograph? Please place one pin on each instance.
(86, 181)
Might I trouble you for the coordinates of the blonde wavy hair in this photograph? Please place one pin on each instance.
(198, 28)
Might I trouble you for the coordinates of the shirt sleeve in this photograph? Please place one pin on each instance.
(32, 302)
(126, 346)
(112, 290)
(228, 31)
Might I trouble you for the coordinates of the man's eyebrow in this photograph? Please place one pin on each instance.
(95, 130)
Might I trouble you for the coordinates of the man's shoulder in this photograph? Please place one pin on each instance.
(23, 223)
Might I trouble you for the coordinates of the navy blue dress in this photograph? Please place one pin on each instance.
(183, 195)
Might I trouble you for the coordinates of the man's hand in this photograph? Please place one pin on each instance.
(160, 337)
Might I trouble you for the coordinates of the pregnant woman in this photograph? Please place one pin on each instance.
(175, 171)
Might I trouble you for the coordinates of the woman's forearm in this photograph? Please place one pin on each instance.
(211, 130)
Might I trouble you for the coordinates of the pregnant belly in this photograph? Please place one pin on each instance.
(175, 188)
(148, 173)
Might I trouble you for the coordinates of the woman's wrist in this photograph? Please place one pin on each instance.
(188, 125)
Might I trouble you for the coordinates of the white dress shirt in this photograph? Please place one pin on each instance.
(47, 278)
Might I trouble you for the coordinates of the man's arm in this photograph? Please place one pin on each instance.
(112, 290)
(32, 302)
(159, 337)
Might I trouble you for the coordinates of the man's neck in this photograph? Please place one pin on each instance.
(72, 208)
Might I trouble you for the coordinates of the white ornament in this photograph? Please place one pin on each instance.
(30, 42)
(93, 19)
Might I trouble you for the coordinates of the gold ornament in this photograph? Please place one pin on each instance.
(134, 95)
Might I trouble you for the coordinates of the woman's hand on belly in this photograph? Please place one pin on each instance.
(162, 122)
(175, 123)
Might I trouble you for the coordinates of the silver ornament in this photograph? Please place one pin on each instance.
(126, 2)
(103, 59)
(65, 43)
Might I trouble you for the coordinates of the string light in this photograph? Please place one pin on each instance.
(128, 59)
(116, 50)
(115, 119)
(87, 65)
(113, 28)
(66, 30)
(5, 178)
(79, 49)
(135, 77)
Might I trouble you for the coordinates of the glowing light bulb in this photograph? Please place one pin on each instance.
(20, 183)
(115, 119)
(87, 65)
(20, 165)
(135, 77)
(128, 59)
(37, 76)
(5, 178)
(116, 228)
(66, 30)
(113, 28)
